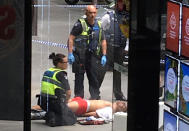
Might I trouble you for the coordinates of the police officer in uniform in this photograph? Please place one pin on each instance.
(112, 22)
(89, 41)
(55, 93)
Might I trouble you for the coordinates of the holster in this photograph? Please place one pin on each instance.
(78, 66)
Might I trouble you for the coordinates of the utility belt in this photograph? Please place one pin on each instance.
(81, 51)
(44, 100)
(48, 96)
(59, 95)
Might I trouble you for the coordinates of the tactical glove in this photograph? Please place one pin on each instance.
(71, 58)
(103, 60)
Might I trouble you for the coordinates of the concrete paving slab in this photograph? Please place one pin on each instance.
(11, 125)
(40, 126)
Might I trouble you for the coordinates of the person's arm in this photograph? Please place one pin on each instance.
(90, 114)
(105, 22)
(62, 77)
(103, 43)
(76, 30)
(71, 43)
(68, 95)
(104, 47)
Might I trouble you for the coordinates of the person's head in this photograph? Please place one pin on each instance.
(91, 12)
(120, 106)
(59, 60)
(120, 6)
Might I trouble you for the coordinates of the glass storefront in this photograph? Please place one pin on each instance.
(52, 23)
(149, 40)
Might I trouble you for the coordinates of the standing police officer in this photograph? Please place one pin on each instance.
(113, 22)
(90, 45)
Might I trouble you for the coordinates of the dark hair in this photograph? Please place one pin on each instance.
(56, 58)
(124, 5)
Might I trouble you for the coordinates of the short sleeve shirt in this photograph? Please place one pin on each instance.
(62, 77)
(106, 22)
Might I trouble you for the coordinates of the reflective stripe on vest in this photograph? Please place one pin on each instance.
(49, 82)
(100, 36)
(86, 30)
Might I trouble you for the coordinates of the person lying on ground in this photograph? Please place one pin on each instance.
(82, 107)
(96, 108)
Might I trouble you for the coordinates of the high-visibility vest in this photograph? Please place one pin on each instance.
(85, 32)
(49, 81)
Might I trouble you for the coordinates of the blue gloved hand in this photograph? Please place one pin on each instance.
(103, 60)
(71, 58)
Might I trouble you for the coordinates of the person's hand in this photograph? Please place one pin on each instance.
(103, 60)
(71, 58)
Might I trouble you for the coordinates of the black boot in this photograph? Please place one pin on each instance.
(50, 119)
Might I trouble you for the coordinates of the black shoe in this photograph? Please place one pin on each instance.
(50, 119)
(37, 114)
(50, 123)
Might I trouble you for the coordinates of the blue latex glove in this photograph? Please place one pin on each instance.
(71, 58)
(103, 60)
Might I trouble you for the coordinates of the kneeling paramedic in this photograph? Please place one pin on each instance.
(90, 51)
(55, 92)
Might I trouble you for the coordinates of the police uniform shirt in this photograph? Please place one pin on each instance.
(62, 77)
(105, 22)
(77, 29)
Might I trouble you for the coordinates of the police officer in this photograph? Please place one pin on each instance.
(112, 23)
(55, 93)
(90, 49)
